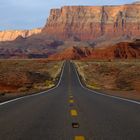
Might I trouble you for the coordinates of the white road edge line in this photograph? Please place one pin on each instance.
(27, 96)
(111, 96)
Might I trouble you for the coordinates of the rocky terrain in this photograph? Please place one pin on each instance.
(123, 50)
(91, 22)
(72, 53)
(35, 46)
(13, 34)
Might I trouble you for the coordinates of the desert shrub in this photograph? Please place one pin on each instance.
(2, 94)
(104, 69)
(123, 84)
(49, 83)
(38, 77)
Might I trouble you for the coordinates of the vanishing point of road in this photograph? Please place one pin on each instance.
(69, 112)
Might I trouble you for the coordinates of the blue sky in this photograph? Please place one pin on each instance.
(28, 14)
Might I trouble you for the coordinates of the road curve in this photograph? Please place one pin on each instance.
(69, 112)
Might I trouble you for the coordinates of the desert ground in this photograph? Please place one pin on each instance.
(119, 77)
(23, 77)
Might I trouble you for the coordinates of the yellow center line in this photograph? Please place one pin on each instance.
(73, 112)
(79, 138)
(71, 101)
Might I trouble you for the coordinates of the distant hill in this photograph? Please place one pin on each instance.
(136, 2)
(13, 34)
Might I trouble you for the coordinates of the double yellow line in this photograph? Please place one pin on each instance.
(73, 112)
(79, 138)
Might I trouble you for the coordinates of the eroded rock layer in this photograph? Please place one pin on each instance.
(13, 34)
(90, 22)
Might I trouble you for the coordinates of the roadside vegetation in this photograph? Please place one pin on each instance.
(21, 77)
(120, 78)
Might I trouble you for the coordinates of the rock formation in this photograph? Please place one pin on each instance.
(13, 34)
(123, 50)
(72, 53)
(90, 22)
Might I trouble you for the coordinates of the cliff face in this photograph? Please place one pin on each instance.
(90, 22)
(13, 34)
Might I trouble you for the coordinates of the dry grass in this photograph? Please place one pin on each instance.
(26, 76)
(120, 78)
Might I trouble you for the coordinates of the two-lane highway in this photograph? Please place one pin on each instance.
(69, 112)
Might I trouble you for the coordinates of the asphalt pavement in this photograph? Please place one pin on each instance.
(69, 112)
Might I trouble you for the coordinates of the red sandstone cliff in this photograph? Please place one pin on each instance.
(77, 23)
(90, 22)
(123, 50)
(72, 53)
